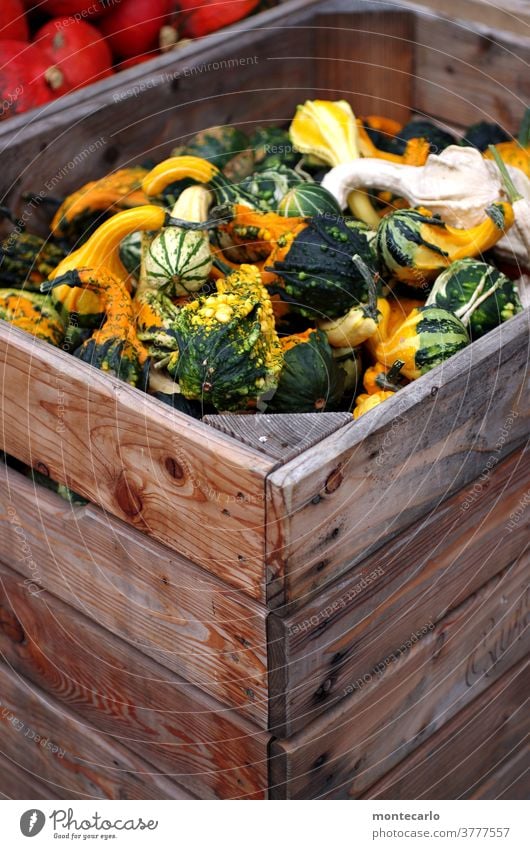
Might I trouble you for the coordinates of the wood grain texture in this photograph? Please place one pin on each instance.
(466, 73)
(512, 15)
(281, 436)
(133, 701)
(158, 602)
(367, 59)
(53, 744)
(340, 501)
(510, 781)
(415, 578)
(18, 783)
(471, 751)
(409, 697)
(145, 463)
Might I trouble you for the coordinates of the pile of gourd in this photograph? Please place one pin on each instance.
(320, 268)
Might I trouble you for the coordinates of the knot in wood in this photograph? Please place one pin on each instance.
(11, 626)
(334, 480)
(127, 497)
(174, 469)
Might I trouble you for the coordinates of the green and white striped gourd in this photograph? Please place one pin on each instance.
(179, 258)
(308, 199)
(481, 296)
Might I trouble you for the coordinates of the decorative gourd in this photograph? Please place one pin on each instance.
(428, 337)
(27, 260)
(517, 152)
(329, 132)
(350, 361)
(179, 258)
(308, 200)
(311, 380)
(381, 131)
(217, 144)
(438, 139)
(228, 350)
(269, 186)
(178, 168)
(381, 331)
(272, 146)
(415, 246)
(364, 403)
(33, 313)
(131, 253)
(314, 268)
(477, 293)
(100, 252)
(84, 210)
(484, 133)
(378, 378)
(27, 79)
(115, 347)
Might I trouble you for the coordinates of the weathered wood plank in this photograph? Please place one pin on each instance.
(397, 706)
(466, 73)
(17, 783)
(471, 750)
(130, 699)
(337, 503)
(159, 602)
(510, 781)
(55, 746)
(366, 58)
(415, 578)
(280, 436)
(145, 463)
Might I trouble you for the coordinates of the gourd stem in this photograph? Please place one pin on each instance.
(192, 225)
(511, 191)
(371, 308)
(386, 381)
(524, 130)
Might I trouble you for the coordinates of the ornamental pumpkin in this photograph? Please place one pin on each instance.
(228, 350)
(364, 403)
(428, 337)
(268, 187)
(516, 152)
(477, 293)
(272, 146)
(27, 260)
(311, 380)
(414, 246)
(33, 313)
(307, 200)
(100, 252)
(219, 145)
(178, 168)
(179, 258)
(83, 211)
(314, 268)
(115, 347)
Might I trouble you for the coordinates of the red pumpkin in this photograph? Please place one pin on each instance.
(201, 17)
(77, 49)
(13, 23)
(86, 8)
(133, 27)
(26, 78)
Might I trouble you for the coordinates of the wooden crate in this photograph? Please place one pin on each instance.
(243, 574)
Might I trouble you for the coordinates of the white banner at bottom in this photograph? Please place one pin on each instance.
(356, 824)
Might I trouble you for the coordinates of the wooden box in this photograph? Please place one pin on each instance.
(253, 606)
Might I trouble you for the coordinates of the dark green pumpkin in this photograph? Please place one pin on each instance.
(27, 260)
(438, 139)
(477, 293)
(306, 200)
(311, 380)
(273, 147)
(319, 275)
(483, 134)
(216, 144)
